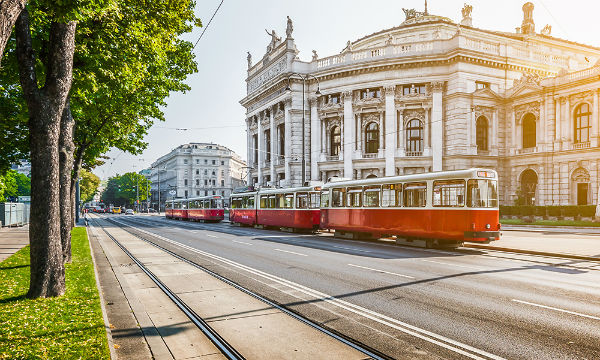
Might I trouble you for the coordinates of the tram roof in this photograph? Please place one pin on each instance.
(210, 197)
(452, 174)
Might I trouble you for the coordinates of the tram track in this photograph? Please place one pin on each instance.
(225, 347)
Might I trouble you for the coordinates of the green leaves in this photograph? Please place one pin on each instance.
(88, 185)
(123, 189)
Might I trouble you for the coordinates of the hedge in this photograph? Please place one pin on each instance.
(561, 210)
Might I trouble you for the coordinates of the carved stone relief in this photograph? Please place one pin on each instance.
(532, 107)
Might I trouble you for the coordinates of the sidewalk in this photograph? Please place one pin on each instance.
(13, 239)
(547, 241)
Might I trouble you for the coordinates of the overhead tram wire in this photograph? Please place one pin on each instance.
(209, 21)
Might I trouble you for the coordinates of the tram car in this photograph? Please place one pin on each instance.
(291, 209)
(207, 209)
(439, 208)
(176, 209)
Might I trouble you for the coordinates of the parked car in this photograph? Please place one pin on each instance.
(129, 212)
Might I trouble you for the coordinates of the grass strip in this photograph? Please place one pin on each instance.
(579, 223)
(67, 327)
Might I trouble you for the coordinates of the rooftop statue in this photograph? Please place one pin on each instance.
(274, 40)
(410, 13)
(290, 28)
(314, 55)
(249, 58)
(466, 11)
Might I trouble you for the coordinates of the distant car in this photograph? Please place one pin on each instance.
(152, 210)
(129, 212)
(116, 210)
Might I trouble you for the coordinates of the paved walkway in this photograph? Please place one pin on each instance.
(573, 242)
(12, 240)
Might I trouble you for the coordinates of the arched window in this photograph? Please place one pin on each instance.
(582, 123)
(529, 131)
(372, 138)
(529, 180)
(580, 179)
(371, 176)
(414, 136)
(482, 133)
(336, 141)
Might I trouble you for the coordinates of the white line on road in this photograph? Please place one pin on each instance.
(437, 339)
(347, 248)
(290, 252)
(241, 242)
(456, 265)
(212, 236)
(381, 271)
(557, 309)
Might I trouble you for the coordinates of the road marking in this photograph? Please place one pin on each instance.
(212, 236)
(241, 242)
(440, 340)
(290, 252)
(557, 309)
(347, 248)
(381, 271)
(456, 265)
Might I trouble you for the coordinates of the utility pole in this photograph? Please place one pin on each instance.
(158, 191)
(137, 193)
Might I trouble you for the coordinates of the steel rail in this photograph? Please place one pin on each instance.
(229, 351)
(372, 353)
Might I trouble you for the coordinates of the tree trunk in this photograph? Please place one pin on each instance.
(45, 107)
(9, 12)
(76, 170)
(66, 148)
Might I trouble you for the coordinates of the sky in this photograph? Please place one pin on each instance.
(211, 109)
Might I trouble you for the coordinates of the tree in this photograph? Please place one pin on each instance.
(9, 11)
(8, 186)
(126, 189)
(88, 185)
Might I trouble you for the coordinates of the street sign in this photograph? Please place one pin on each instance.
(172, 192)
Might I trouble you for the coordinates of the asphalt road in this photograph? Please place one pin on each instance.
(409, 302)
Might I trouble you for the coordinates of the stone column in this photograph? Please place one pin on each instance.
(323, 137)
(315, 139)
(494, 136)
(261, 149)
(437, 126)
(348, 141)
(594, 141)
(426, 135)
(470, 121)
(273, 144)
(541, 133)
(287, 123)
(401, 135)
(557, 118)
(382, 130)
(359, 136)
(513, 121)
(390, 133)
(249, 151)
(566, 129)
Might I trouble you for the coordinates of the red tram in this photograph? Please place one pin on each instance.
(286, 209)
(443, 208)
(207, 208)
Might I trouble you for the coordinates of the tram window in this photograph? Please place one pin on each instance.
(324, 199)
(337, 197)
(354, 195)
(482, 193)
(371, 196)
(415, 194)
(272, 202)
(301, 200)
(315, 199)
(279, 202)
(235, 203)
(213, 204)
(449, 193)
(250, 202)
(264, 200)
(289, 201)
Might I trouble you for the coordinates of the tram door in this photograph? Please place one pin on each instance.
(582, 193)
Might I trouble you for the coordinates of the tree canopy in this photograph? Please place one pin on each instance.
(88, 185)
(14, 184)
(123, 189)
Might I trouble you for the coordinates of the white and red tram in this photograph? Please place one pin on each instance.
(288, 209)
(447, 207)
(207, 208)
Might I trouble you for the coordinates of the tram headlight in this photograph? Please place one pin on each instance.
(488, 226)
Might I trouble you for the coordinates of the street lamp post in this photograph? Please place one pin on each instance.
(304, 78)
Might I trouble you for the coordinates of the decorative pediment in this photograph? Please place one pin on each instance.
(528, 83)
(480, 110)
(414, 114)
(580, 175)
(486, 93)
(532, 107)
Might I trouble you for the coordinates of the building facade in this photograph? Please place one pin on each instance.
(196, 169)
(431, 95)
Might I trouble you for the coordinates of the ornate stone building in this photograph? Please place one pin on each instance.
(196, 169)
(431, 95)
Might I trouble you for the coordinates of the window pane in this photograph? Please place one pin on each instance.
(302, 200)
(337, 197)
(371, 196)
(449, 193)
(324, 199)
(315, 199)
(354, 195)
(263, 202)
(482, 193)
(415, 194)
(289, 201)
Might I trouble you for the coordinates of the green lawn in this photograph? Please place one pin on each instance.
(68, 327)
(550, 222)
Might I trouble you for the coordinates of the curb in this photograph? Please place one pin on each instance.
(549, 228)
(533, 252)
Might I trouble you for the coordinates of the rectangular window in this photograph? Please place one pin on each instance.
(325, 199)
(337, 197)
(301, 200)
(279, 201)
(197, 161)
(315, 199)
(482, 85)
(222, 182)
(371, 196)
(482, 193)
(214, 162)
(186, 192)
(205, 162)
(250, 202)
(354, 195)
(197, 193)
(197, 182)
(185, 161)
(449, 193)
(391, 195)
(205, 172)
(288, 202)
(264, 202)
(205, 182)
(185, 182)
(415, 194)
(236, 203)
(222, 162)
(272, 202)
(197, 172)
